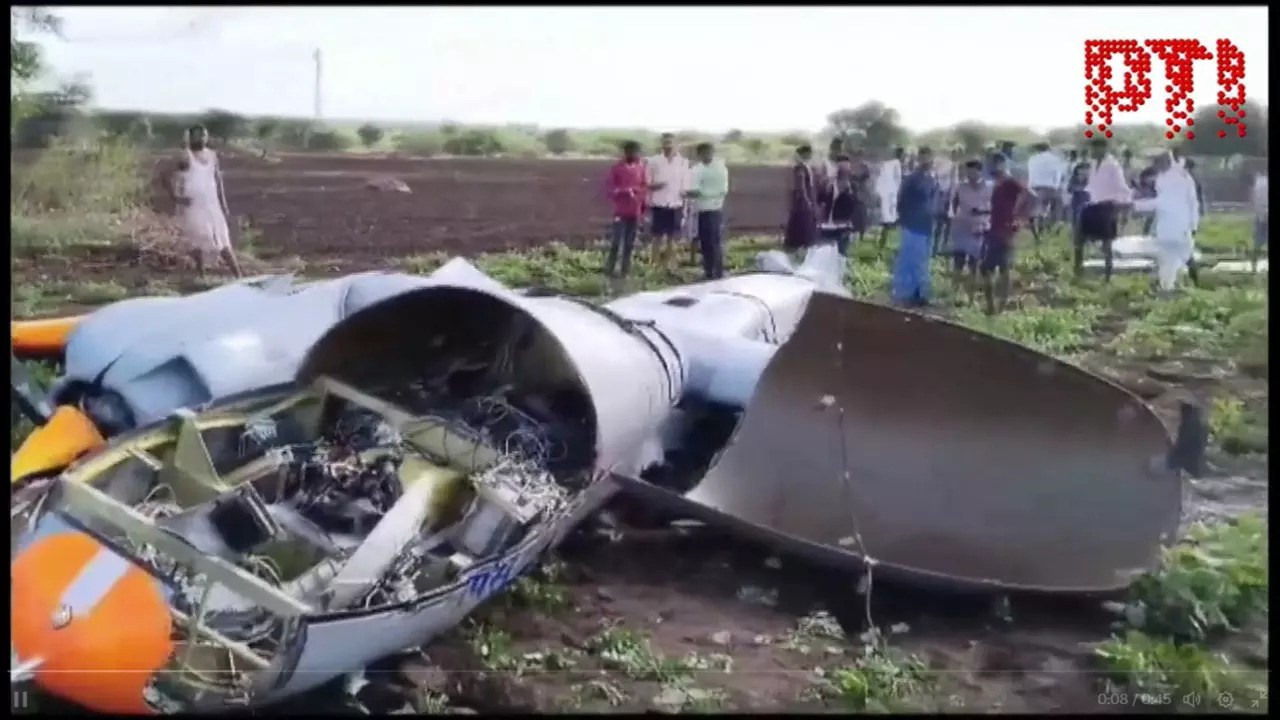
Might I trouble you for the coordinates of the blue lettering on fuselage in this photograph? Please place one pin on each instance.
(490, 580)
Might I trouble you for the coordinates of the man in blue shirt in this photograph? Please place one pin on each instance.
(910, 282)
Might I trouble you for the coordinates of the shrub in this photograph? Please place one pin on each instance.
(329, 140)
(370, 134)
(294, 134)
(425, 142)
(224, 124)
(102, 177)
(558, 141)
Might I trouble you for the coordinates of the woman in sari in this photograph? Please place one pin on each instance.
(802, 222)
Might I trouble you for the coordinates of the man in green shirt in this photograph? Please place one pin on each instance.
(710, 185)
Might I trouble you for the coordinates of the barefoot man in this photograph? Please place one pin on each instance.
(196, 187)
(668, 175)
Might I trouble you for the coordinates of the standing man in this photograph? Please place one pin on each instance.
(668, 176)
(833, 151)
(1077, 198)
(626, 187)
(1068, 166)
(1176, 214)
(972, 205)
(888, 185)
(910, 282)
(837, 207)
(1011, 167)
(1189, 164)
(1044, 171)
(1109, 194)
(948, 177)
(864, 191)
(1009, 201)
(802, 220)
(710, 187)
(197, 190)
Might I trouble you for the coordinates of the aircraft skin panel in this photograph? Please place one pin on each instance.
(966, 456)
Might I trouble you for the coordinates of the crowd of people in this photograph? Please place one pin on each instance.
(968, 209)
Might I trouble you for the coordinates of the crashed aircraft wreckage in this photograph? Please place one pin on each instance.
(236, 496)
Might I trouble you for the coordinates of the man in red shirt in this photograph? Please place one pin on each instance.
(626, 186)
(1009, 199)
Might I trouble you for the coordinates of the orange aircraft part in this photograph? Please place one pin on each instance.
(56, 444)
(42, 337)
(100, 656)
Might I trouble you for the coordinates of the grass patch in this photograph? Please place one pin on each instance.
(1226, 321)
(1158, 667)
(1211, 585)
(881, 680)
(1238, 428)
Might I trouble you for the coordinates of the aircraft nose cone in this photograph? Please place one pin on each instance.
(98, 622)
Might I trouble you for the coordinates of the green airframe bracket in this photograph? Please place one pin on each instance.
(190, 473)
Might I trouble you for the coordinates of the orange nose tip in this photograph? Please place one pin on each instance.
(67, 435)
(42, 337)
(99, 623)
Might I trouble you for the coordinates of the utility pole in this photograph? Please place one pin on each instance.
(317, 90)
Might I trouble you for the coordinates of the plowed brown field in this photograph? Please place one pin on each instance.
(311, 205)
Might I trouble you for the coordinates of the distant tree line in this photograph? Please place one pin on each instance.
(872, 127)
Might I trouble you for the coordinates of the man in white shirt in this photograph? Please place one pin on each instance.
(1177, 216)
(1109, 195)
(668, 176)
(1044, 173)
(947, 173)
(825, 171)
(888, 182)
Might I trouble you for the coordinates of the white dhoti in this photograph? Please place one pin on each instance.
(888, 205)
(204, 228)
(1176, 217)
(1173, 252)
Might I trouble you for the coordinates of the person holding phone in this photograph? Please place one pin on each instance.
(668, 175)
(971, 200)
(627, 187)
(1010, 200)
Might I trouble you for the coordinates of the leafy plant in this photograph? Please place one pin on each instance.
(1212, 582)
(1157, 666)
(877, 682)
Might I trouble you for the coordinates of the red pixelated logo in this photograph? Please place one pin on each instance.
(1102, 99)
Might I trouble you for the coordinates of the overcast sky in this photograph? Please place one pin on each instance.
(687, 67)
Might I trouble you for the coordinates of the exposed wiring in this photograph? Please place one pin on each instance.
(867, 582)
